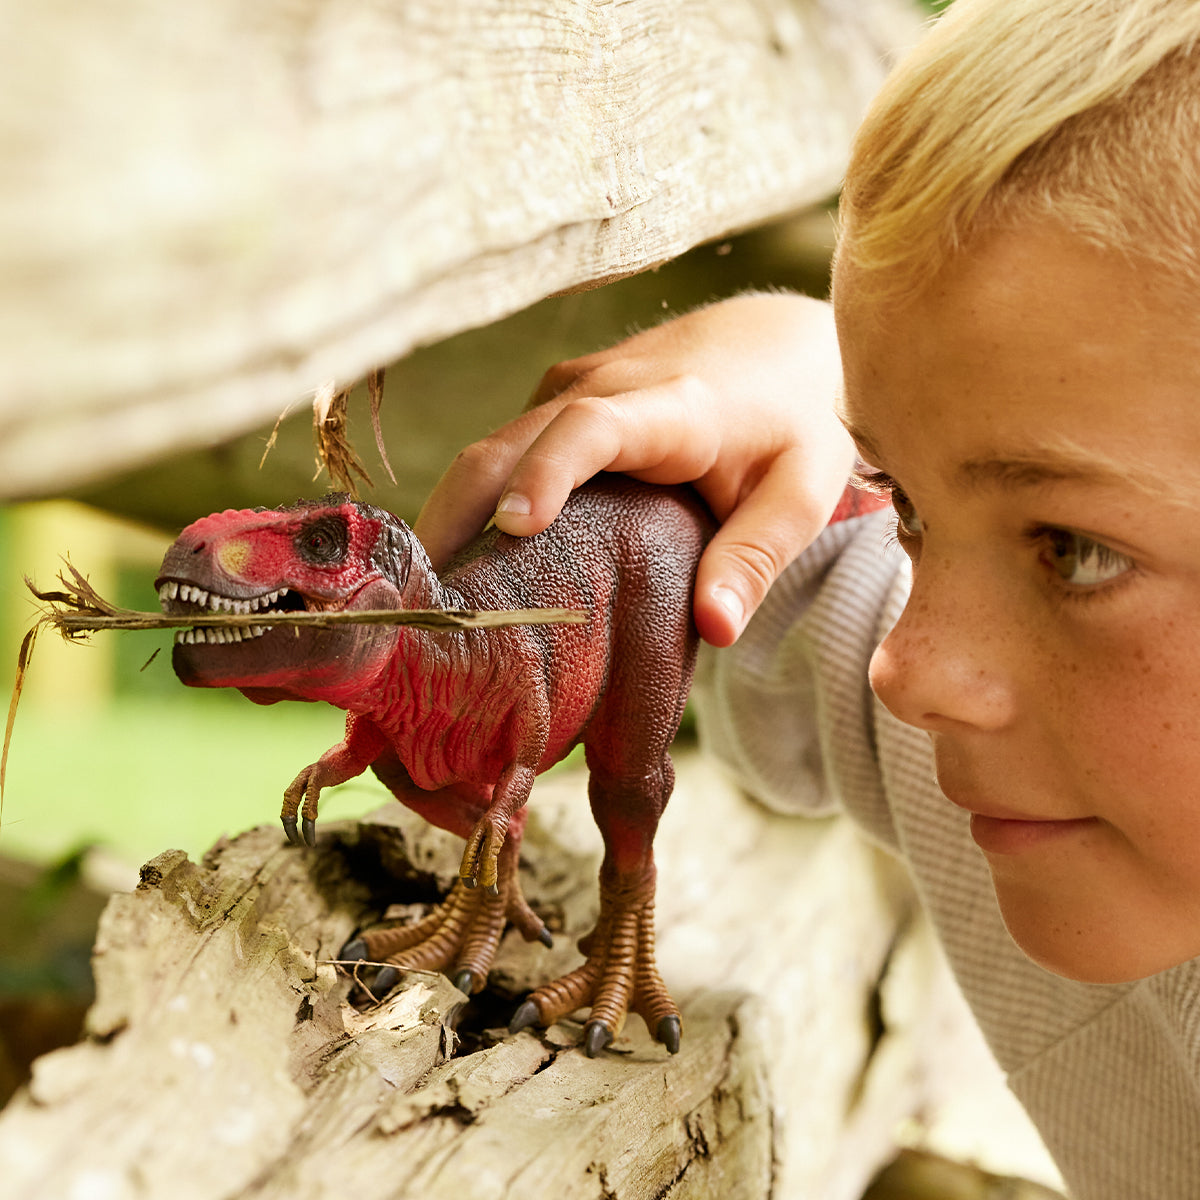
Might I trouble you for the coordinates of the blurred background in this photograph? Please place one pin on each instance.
(112, 760)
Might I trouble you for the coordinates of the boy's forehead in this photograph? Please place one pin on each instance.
(1037, 292)
(1033, 356)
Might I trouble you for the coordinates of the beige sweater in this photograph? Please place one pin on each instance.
(1109, 1074)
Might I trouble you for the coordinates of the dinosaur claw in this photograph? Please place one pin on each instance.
(668, 1032)
(596, 1036)
(464, 980)
(309, 826)
(289, 827)
(525, 1016)
(545, 938)
(469, 881)
(492, 889)
(354, 949)
(387, 979)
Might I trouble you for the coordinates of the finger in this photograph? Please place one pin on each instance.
(465, 497)
(640, 433)
(573, 376)
(763, 534)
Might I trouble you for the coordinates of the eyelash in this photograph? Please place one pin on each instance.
(1049, 538)
(880, 483)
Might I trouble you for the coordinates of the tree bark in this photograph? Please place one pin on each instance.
(223, 1058)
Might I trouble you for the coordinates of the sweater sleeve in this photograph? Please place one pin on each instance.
(787, 709)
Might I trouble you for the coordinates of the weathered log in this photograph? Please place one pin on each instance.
(222, 1058)
(203, 219)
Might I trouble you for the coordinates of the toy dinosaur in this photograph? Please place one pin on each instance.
(458, 723)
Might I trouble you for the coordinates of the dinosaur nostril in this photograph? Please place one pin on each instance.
(198, 547)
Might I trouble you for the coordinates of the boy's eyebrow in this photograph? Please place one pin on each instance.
(1035, 468)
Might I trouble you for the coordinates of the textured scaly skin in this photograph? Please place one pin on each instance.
(458, 723)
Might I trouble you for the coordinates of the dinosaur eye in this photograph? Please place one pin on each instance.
(323, 542)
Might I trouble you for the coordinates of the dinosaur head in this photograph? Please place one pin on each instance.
(331, 554)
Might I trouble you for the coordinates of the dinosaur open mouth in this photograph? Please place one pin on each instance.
(183, 599)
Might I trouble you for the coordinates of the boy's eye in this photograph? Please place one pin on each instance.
(908, 524)
(1081, 562)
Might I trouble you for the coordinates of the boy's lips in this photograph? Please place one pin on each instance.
(1008, 835)
(998, 830)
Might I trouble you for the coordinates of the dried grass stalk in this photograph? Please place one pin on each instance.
(375, 393)
(81, 609)
(334, 451)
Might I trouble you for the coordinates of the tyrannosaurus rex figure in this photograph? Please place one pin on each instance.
(458, 723)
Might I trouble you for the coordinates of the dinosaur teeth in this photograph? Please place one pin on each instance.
(191, 594)
(218, 637)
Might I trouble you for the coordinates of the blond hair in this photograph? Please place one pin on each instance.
(1084, 112)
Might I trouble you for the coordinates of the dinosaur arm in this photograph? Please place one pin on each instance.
(363, 743)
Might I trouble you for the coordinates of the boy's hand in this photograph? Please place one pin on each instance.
(736, 398)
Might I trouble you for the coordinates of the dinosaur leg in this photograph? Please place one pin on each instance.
(349, 758)
(460, 936)
(480, 863)
(619, 975)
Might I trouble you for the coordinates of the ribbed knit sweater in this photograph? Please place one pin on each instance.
(1110, 1074)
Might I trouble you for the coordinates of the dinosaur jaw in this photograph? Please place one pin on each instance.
(178, 598)
(276, 661)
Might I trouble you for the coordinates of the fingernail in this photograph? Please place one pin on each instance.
(514, 504)
(731, 602)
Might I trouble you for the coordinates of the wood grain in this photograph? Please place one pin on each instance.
(207, 215)
(222, 1058)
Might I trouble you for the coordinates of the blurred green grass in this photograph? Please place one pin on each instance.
(145, 774)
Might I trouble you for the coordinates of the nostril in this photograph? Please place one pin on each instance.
(198, 547)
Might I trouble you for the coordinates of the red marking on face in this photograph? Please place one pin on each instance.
(322, 552)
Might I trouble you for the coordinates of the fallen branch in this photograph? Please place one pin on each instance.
(219, 1012)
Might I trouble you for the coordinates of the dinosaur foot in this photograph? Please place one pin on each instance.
(308, 826)
(619, 977)
(481, 861)
(460, 937)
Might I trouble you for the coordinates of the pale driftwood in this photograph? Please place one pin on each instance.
(207, 215)
(222, 1060)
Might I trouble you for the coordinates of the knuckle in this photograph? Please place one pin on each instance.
(691, 389)
(488, 459)
(597, 410)
(561, 377)
(592, 376)
(760, 565)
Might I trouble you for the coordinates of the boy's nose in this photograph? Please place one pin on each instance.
(945, 664)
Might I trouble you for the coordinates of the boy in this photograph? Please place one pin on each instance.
(1015, 300)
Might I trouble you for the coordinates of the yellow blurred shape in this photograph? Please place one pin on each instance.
(65, 677)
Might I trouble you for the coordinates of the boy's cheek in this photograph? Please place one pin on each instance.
(1097, 910)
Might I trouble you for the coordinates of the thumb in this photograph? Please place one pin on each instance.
(766, 532)
(731, 582)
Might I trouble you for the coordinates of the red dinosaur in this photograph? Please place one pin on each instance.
(458, 723)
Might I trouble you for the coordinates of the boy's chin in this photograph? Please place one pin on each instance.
(1098, 951)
